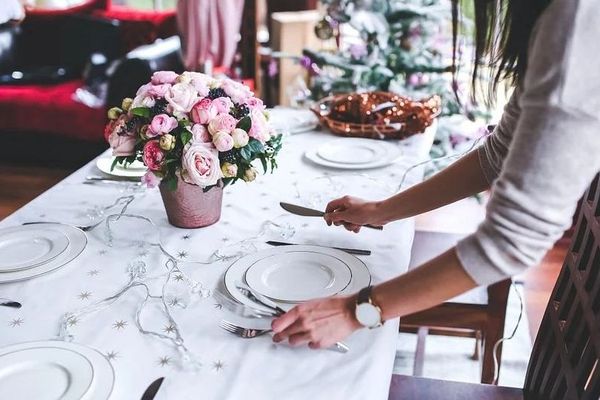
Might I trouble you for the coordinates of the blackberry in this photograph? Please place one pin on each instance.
(240, 111)
(228, 156)
(215, 93)
(159, 107)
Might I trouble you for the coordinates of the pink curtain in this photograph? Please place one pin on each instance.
(209, 31)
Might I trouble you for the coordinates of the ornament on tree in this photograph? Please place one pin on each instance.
(325, 28)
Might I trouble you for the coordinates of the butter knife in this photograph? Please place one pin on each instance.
(151, 391)
(310, 212)
(359, 252)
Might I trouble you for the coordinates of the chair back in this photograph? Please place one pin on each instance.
(565, 360)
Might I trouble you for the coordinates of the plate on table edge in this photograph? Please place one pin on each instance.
(77, 243)
(360, 272)
(329, 151)
(35, 262)
(255, 281)
(313, 156)
(92, 355)
(104, 164)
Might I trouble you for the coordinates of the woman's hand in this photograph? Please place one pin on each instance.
(353, 213)
(320, 323)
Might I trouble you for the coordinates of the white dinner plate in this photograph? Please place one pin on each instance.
(77, 242)
(292, 120)
(23, 247)
(134, 170)
(355, 153)
(360, 275)
(294, 277)
(52, 370)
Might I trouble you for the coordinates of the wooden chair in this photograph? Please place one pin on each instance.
(565, 360)
(479, 314)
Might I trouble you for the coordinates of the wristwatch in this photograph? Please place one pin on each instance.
(367, 312)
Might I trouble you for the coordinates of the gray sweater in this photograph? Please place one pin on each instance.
(545, 150)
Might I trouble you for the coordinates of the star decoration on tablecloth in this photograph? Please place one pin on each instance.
(218, 306)
(84, 295)
(102, 252)
(225, 222)
(143, 253)
(187, 236)
(178, 278)
(174, 302)
(169, 329)
(93, 272)
(218, 365)
(265, 208)
(72, 321)
(16, 322)
(118, 325)
(225, 239)
(228, 205)
(164, 361)
(111, 355)
(182, 254)
(42, 215)
(305, 225)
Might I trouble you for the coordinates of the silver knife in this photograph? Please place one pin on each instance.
(151, 391)
(310, 212)
(265, 301)
(359, 252)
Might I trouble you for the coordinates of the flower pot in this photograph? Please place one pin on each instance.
(189, 206)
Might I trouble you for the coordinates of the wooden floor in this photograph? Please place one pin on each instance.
(20, 184)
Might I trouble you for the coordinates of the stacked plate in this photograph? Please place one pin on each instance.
(355, 153)
(293, 274)
(32, 250)
(134, 170)
(54, 370)
(291, 120)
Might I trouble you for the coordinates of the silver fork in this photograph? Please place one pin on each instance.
(86, 228)
(245, 333)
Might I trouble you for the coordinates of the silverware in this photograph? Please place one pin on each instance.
(258, 298)
(111, 180)
(359, 252)
(151, 390)
(10, 303)
(83, 228)
(240, 309)
(245, 333)
(310, 212)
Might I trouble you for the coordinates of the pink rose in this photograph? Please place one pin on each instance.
(142, 97)
(238, 92)
(150, 180)
(153, 155)
(122, 145)
(260, 129)
(255, 103)
(222, 123)
(161, 124)
(163, 77)
(200, 164)
(181, 97)
(240, 138)
(159, 90)
(201, 82)
(222, 104)
(223, 141)
(200, 134)
(203, 111)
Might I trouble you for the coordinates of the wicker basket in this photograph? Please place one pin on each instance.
(376, 115)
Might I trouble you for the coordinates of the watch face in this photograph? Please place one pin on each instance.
(368, 315)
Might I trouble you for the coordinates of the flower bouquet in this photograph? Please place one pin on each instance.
(195, 134)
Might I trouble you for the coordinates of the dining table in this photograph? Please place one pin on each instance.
(123, 296)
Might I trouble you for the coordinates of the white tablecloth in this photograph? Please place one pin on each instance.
(231, 368)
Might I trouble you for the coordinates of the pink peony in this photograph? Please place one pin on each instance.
(161, 124)
(222, 123)
(201, 82)
(238, 92)
(143, 98)
(159, 90)
(122, 145)
(240, 138)
(203, 111)
(200, 134)
(163, 77)
(260, 129)
(223, 141)
(153, 155)
(150, 180)
(200, 164)
(222, 104)
(181, 97)
(255, 103)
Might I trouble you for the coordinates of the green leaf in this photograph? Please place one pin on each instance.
(263, 161)
(171, 183)
(245, 123)
(246, 153)
(141, 112)
(186, 136)
(116, 161)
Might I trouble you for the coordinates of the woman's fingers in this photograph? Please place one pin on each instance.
(287, 319)
(341, 203)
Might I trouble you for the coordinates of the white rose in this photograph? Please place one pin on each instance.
(200, 164)
(240, 138)
(182, 97)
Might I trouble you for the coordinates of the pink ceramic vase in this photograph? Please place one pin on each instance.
(189, 206)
